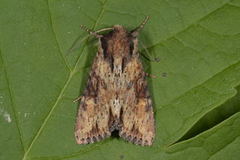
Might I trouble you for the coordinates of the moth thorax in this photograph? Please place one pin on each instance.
(117, 65)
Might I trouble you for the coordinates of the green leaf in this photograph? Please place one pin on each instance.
(196, 103)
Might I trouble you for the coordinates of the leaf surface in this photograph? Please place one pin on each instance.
(196, 92)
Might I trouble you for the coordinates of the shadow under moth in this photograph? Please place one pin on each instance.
(116, 96)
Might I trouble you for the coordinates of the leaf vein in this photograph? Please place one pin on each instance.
(11, 100)
(205, 111)
(188, 26)
(61, 93)
(55, 37)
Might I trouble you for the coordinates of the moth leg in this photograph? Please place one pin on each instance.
(77, 99)
(148, 55)
(150, 75)
(92, 121)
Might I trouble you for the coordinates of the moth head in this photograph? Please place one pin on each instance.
(116, 42)
(119, 41)
(120, 31)
(134, 33)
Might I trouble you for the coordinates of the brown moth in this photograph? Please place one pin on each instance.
(116, 96)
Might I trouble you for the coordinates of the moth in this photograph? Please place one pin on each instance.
(117, 95)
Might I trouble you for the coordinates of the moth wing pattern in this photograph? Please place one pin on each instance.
(117, 95)
(138, 124)
(93, 113)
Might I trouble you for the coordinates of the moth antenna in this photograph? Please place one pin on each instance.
(94, 33)
(148, 55)
(90, 31)
(104, 29)
(136, 30)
